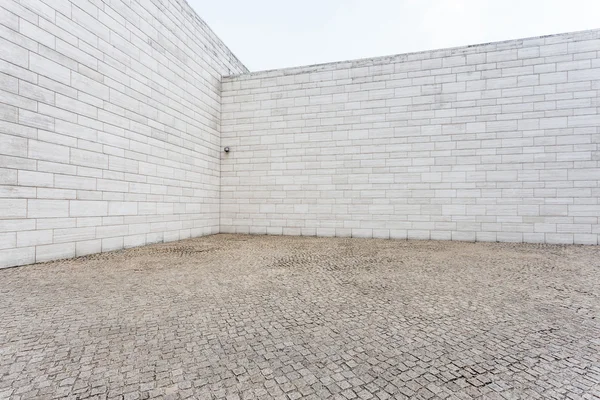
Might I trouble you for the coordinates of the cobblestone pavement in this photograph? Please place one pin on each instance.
(245, 317)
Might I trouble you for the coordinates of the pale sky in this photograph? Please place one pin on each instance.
(267, 34)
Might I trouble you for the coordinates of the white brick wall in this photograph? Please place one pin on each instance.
(109, 126)
(113, 114)
(497, 142)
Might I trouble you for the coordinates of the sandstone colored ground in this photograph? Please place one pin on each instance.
(232, 316)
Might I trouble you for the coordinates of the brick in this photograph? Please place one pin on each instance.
(47, 208)
(90, 86)
(49, 68)
(74, 234)
(584, 120)
(122, 208)
(56, 223)
(9, 83)
(88, 208)
(34, 238)
(36, 92)
(46, 193)
(18, 101)
(9, 19)
(8, 176)
(111, 244)
(13, 208)
(13, 146)
(8, 240)
(35, 179)
(13, 53)
(89, 158)
(36, 120)
(17, 256)
(40, 8)
(39, 35)
(588, 74)
(47, 151)
(74, 182)
(586, 174)
(88, 247)
(54, 252)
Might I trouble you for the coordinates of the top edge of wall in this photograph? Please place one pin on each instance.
(424, 54)
(209, 31)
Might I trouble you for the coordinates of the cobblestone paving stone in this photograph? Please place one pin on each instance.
(257, 317)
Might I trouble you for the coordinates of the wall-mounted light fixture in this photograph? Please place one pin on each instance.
(226, 149)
